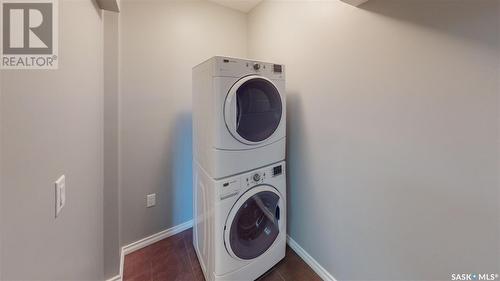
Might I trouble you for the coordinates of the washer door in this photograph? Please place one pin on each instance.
(253, 109)
(253, 223)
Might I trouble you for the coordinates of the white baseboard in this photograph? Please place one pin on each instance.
(321, 271)
(134, 246)
(115, 278)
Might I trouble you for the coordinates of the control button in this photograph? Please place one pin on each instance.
(256, 177)
(256, 66)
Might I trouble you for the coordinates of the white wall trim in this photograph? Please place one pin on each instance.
(134, 246)
(139, 244)
(320, 270)
(115, 278)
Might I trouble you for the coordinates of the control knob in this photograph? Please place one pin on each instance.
(256, 177)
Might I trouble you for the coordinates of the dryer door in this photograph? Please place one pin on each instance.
(254, 223)
(253, 109)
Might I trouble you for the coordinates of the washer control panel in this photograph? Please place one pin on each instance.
(255, 178)
(230, 188)
(233, 186)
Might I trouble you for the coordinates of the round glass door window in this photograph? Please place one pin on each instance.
(255, 225)
(258, 109)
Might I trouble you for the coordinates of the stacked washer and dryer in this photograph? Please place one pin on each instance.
(239, 131)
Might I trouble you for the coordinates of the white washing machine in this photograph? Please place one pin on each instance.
(239, 227)
(239, 109)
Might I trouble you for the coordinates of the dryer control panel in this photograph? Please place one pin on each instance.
(234, 67)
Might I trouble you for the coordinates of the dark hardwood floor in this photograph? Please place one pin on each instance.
(174, 258)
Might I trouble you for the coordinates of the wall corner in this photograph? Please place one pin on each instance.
(109, 5)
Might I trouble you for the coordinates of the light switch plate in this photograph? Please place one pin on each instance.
(60, 190)
(151, 200)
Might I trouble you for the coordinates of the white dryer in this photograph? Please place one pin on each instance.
(239, 229)
(239, 109)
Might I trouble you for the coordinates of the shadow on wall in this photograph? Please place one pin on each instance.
(97, 8)
(298, 171)
(180, 190)
(453, 19)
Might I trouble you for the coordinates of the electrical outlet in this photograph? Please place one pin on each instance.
(151, 200)
(60, 190)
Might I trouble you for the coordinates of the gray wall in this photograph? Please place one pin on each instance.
(393, 133)
(111, 194)
(1, 176)
(52, 125)
(160, 41)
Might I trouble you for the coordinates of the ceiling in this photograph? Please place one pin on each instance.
(241, 5)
